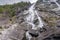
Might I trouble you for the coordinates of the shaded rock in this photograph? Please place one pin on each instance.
(42, 30)
(33, 33)
(36, 22)
(15, 32)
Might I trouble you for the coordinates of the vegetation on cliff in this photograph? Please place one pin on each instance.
(11, 9)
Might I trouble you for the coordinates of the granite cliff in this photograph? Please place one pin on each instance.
(50, 14)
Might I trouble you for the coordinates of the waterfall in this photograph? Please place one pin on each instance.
(30, 18)
(56, 4)
(28, 36)
(39, 19)
(53, 1)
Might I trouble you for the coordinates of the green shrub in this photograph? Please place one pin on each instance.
(11, 9)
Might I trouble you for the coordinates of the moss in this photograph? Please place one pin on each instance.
(51, 21)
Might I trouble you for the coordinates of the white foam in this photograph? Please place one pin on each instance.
(33, 1)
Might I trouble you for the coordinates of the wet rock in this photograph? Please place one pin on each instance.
(36, 22)
(42, 30)
(33, 33)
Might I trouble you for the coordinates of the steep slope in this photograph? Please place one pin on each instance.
(49, 12)
(9, 28)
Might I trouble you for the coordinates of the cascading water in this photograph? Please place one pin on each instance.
(32, 15)
(30, 20)
(56, 4)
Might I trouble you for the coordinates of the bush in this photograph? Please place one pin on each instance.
(11, 9)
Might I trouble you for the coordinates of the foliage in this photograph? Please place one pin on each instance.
(11, 9)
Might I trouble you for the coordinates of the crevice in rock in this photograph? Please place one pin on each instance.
(42, 30)
(58, 26)
(34, 35)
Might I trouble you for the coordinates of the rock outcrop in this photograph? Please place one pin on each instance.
(50, 17)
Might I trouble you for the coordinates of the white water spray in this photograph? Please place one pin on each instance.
(39, 19)
(28, 36)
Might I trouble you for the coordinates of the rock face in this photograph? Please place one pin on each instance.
(51, 19)
(45, 11)
(15, 32)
